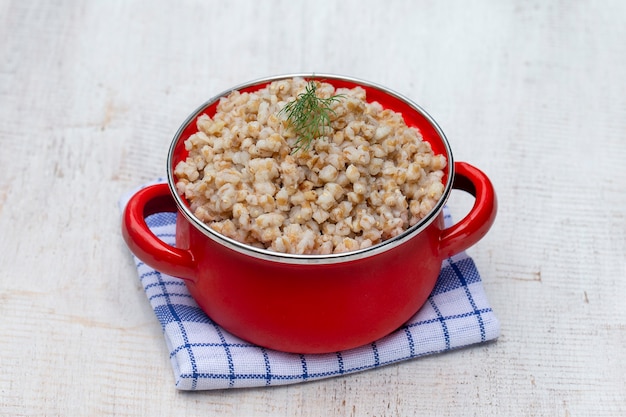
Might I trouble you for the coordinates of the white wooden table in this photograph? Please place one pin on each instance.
(532, 92)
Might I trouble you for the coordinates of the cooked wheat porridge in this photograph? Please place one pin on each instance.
(368, 179)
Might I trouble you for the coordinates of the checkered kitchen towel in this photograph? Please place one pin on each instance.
(204, 356)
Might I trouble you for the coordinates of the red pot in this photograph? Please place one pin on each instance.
(310, 303)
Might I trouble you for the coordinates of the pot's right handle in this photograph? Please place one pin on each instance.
(145, 244)
(478, 221)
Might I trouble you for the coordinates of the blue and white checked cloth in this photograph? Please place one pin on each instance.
(204, 356)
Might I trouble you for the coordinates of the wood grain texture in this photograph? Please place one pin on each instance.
(532, 92)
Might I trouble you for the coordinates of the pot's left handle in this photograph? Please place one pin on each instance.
(145, 244)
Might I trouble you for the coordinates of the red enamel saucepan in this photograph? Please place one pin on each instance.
(310, 303)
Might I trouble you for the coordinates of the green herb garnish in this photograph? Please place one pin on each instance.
(309, 115)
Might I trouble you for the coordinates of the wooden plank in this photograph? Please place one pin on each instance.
(533, 93)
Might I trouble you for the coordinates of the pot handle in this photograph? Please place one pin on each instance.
(145, 244)
(478, 221)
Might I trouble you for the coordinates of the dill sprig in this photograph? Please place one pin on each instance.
(309, 115)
